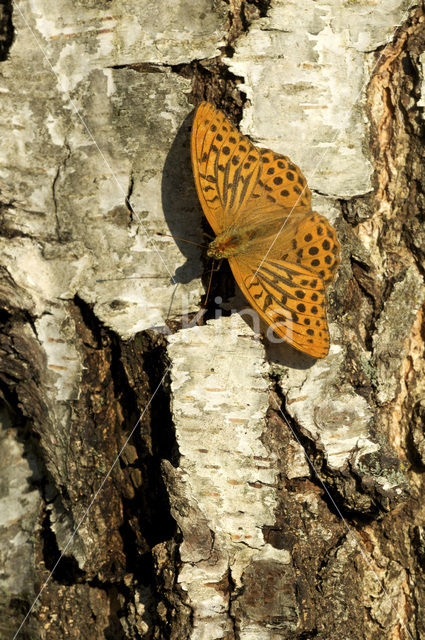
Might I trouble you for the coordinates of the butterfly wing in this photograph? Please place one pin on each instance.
(305, 239)
(290, 298)
(226, 166)
(236, 180)
(285, 282)
(315, 246)
(280, 186)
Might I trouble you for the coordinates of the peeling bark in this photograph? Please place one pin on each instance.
(194, 480)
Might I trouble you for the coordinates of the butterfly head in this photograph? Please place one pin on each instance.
(225, 245)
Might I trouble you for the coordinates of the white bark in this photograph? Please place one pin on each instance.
(98, 117)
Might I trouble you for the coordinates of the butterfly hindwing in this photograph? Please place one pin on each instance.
(314, 246)
(290, 298)
(281, 183)
(303, 238)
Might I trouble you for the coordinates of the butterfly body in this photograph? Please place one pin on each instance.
(225, 245)
(230, 243)
(248, 239)
(282, 254)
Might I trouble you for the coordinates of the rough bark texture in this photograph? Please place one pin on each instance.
(200, 482)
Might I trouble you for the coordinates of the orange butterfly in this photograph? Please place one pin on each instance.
(281, 253)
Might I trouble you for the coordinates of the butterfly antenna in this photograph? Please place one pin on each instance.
(169, 235)
(158, 233)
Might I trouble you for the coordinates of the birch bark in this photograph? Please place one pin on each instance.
(196, 481)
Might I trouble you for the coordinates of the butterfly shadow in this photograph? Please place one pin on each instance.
(277, 350)
(280, 352)
(180, 204)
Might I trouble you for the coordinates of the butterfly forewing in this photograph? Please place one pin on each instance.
(226, 166)
(288, 297)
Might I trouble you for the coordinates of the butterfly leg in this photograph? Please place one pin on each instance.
(217, 266)
(213, 269)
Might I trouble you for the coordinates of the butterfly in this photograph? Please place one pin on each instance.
(282, 254)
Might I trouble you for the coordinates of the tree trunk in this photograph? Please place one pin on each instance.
(167, 477)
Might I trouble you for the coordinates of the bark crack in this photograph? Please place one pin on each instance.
(231, 596)
(7, 30)
(128, 197)
(60, 169)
